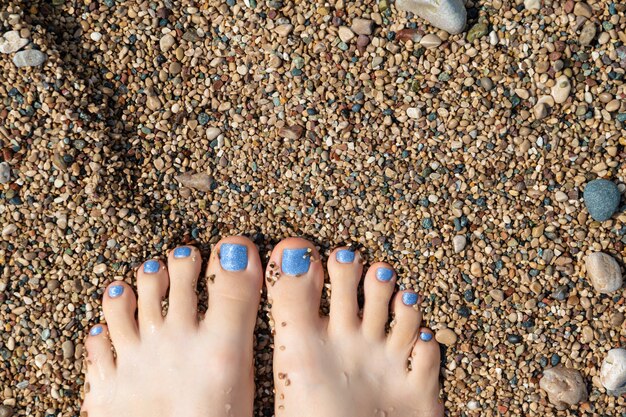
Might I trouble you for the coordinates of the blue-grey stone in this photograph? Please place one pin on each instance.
(601, 198)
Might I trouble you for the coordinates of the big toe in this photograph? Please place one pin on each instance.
(235, 278)
(295, 278)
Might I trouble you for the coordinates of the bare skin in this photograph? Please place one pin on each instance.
(344, 365)
(177, 365)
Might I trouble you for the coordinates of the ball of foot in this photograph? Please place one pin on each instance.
(601, 198)
(564, 386)
(613, 372)
(603, 272)
(449, 15)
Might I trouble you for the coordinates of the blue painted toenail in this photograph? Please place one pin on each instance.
(409, 298)
(233, 257)
(296, 261)
(345, 256)
(182, 252)
(426, 337)
(116, 290)
(95, 330)
(152, 266)
(384, 274)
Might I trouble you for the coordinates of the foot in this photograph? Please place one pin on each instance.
(178, 365)
(344, 365)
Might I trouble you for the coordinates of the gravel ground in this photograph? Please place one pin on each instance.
(459, 159)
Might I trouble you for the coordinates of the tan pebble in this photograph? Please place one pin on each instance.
(284, 30)
(345, 34)
(561, 90)
(362, 26)
(8, 230)
(587, 33)
(430, 41)
(587, 334)
(560, 196)
(497, 295)
(68, 349)
(166, 42)
(583, 9)
(612, 106)
(213, 132)
(476, 269)
(99, 269)
(565, 387)
(617, 319)
(6, 411)
(413, 113)
(200, 181)
(291, 132)
(242, 69)
(603, 272)
(522, 93)
(40, 360)
(446, 337)
(458, 243)
(159, 164)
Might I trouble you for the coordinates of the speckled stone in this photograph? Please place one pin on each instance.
(565, 387)
(603, 272)
(601, 198)
(613, 372)
(29, 58)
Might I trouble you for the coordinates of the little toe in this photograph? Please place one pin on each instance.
(152, 283)
(295, 278)
(345, 267)
(235, 279)
(407, 318)
(119, 304)
(379, 286)
(425, 363)
(183, 263)
(100, 361)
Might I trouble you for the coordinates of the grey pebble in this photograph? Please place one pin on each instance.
(29, 58)
(601, 198)
(5, 173)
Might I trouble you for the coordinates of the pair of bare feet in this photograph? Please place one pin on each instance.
(344, 365)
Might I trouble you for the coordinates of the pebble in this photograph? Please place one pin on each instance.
(68, 349)
(5, 172)
(497, 295)
(449, 15)
(167, 42)
(541, 111)
(565, 387)
(561, 89)
(12, 42)
(602, 199)
(430, 41)
(477, 31)
(284, 30)
(213, 132)
(29, 58)
(413, 113)
(291, 132)
(587, 33)
(40, 360)
(476, 269)
(99, 269)
(613, 372)
(486, 83)
(9, 230)
(532, 4)
(583, 9)
(458, 243)
(345, 34)
(603, 272)
(96, 36)
(200, 181)
(446, 337)
(6, 411)
(362, 26)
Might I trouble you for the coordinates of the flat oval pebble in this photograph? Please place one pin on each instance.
(29, 58)
(565, 387)
(458, 243)
(167, 42)
(603, 272)
(430, 41)
(613, 372)
(587, 33)
(561, 89)
(446, 337)
(449, 15)
(601, 198)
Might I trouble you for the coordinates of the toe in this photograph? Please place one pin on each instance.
(379, 285)
(152, 282)
(100, 362)
(235, 279)
(183, 263)
(119, 305)
(295, 278)
(345, 267)
(425, 362)
(407, 318)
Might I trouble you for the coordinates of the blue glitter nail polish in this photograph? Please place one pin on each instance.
(426, 337)
(116, 290)
(345, 256)
(95, 330)
(384, 274)
(182, 252)
(296, 261)
(152, 266)
(410, 298)
(233, 257)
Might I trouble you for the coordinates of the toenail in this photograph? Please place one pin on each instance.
(426, 337)
(233, 257)
(296, 261)
(384, 274)
(95, 330)
(410, 298)
(152, 266)
(345, 256)
(182, 252)
(116, 290)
